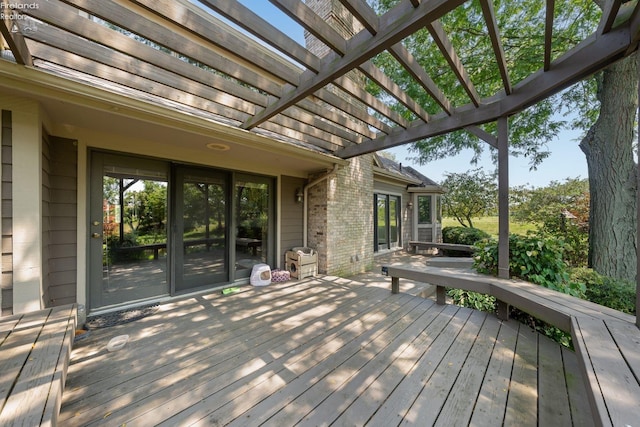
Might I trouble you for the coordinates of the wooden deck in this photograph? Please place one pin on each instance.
(322, 351)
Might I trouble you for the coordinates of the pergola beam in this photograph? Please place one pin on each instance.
(382, 80)
(322, 30)
(368, 18)
(483, 135)
(548, 33)
(176, 11)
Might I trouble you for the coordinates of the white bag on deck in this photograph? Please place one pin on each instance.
(260, 275)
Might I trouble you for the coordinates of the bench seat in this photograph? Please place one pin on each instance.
(35, 349)
(436, 245)
(606, 341)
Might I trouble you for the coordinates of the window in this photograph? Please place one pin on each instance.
(424, 210)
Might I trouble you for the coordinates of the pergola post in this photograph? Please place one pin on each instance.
(503, 197)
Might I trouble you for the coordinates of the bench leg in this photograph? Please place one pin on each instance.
(395, 285)
(441, 295)
(503, 310)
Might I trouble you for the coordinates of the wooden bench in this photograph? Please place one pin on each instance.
(415, 245)
(606, 341)
(35, 349)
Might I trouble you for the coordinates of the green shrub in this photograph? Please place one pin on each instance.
(531, 258)
(575, 239)
(617, 294)
(463, 235)
(538, 260)
(474, 300)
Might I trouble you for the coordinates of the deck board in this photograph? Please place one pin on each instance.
(492, 398)
(456, 410)
(315, 352)
(522, 401)
(554, 400)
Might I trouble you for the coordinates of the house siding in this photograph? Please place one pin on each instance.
(60, 222)
(46, 200)
(6, 281)
(291, 233)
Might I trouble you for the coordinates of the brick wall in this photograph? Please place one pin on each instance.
(341, 219)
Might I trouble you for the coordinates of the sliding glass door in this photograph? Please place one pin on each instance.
(157, 228)
(253, 205)
(128, 230)
(200, 247)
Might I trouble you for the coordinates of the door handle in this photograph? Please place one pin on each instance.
(96, 235)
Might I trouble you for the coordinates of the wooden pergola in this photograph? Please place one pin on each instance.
(253, 76)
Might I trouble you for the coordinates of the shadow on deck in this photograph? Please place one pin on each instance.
(322, 351)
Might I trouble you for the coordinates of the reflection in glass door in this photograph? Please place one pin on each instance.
(253, 203)
(201, 221)
(381, 221)
(128, 245)
(387, 220)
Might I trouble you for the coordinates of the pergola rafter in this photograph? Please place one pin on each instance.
(183, 53)
(11, 33)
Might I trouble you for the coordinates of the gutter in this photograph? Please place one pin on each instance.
(305, 207)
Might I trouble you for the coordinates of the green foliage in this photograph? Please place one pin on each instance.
(562, 212)
(543, 204)
(531, 129)
(468, 195)
(538, 260)
(463, 235)
(473, 300)
(617, 294)
(532, 258)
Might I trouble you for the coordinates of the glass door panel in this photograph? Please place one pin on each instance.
(254, 222)
(394, 221)
(128, 245)
(201, 246)
(381, 220)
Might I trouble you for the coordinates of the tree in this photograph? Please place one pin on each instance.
(468, 195)
(561, 211)
(545, 204)
(605, 106)
(612, 173)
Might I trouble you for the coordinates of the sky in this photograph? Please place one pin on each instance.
(565, 161)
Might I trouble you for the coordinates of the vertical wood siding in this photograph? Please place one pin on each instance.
(60, 216)
(6, 278)
(291, 233)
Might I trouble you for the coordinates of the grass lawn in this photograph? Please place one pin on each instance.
(489, 224)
